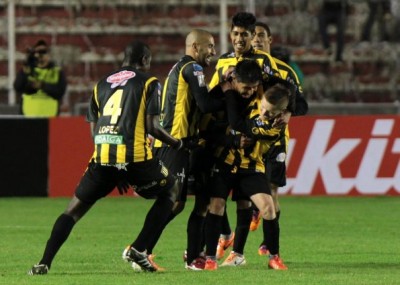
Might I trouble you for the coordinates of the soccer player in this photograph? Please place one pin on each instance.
(185, 97)
(241, 34)
(243, 170)
(276, 157)
(123, 111)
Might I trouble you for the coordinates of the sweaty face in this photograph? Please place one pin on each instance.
(206, 51)
(261, 40)
(269, 111)
(246, 90)
(241, 40)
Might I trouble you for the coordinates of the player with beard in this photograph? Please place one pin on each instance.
(185, 97)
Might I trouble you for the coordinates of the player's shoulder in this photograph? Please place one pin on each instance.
(228, 58)
(227, 55)
(261, 54)
(282, 65)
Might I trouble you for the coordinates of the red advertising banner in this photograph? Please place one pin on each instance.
(328, 155)
(344, 155)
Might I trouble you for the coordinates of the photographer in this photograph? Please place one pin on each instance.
(40, 84)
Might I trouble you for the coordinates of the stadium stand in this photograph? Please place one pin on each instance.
(87, 38)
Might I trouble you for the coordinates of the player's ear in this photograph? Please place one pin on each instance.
(195, 47)
(146, 60)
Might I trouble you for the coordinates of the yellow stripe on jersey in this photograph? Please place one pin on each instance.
(253, 159)
(180, 127)
(181, 108)
(104, 151)
(121, 153)
(96, 99)
(142, 148)
(230, 60)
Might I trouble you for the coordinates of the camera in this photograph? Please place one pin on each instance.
(31, 59)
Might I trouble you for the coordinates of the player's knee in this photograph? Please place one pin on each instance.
(243, 204)
(172, 193)
(268, 211)
(217, 206)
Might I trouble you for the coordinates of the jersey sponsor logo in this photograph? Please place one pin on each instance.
(120, 78)
(108, 139)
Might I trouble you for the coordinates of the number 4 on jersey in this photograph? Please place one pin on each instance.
(113, 106)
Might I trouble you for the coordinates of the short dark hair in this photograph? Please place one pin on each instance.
(265, 26)
(135, 52)
(245, 20)
(248, 71)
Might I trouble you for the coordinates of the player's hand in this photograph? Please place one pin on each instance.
(282, 120)
(188, 143)
(123, 186)
(227, 76)
(242, 141)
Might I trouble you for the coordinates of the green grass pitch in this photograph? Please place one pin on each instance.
(324, 240)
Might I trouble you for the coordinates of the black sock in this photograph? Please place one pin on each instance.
(156, 220)
(271, 236)
(61, 230)
(213, 230)
(151, 243)
(226, 228)
(242, 229)
(264, 242)
(195, 230)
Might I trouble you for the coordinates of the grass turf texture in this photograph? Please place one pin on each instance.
(324, 240)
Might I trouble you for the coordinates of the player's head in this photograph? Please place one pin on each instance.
(242, 32)
(262, 37)
(138, 55)
(200, 45)
(274, 101)
(281, 53)
(247, 77)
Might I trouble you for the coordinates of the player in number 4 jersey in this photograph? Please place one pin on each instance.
(123, 110)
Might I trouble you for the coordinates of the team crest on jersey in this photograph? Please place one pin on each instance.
(197, 67)
(120, 78)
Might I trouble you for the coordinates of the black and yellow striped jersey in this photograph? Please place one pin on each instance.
(298, 105)
(119, 105)
(227, 60)
(250, 159)
(185, 97)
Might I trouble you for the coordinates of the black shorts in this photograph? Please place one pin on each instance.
(177, 162)
(242, 183)
(201, 162)
(149, 178)
(275, 164)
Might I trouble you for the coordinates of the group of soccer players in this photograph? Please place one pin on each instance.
(229, 134)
